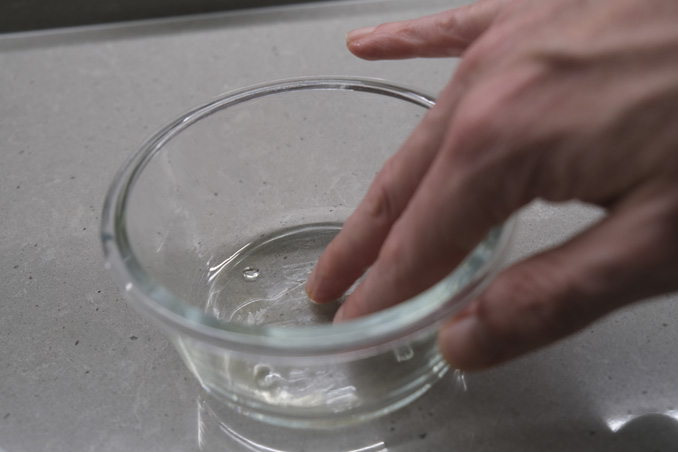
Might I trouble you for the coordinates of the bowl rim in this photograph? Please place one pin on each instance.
(365, 335)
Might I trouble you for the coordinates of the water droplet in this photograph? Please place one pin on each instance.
(250, 273)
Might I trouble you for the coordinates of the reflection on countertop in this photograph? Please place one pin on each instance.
(462, 413)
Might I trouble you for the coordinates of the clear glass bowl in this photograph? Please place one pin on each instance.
(213, 226)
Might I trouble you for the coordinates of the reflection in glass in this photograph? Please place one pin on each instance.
(616, 423)
(222, 429)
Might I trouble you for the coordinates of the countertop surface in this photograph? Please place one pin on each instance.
(80, 370)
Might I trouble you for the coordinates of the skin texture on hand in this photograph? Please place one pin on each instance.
(558, 100)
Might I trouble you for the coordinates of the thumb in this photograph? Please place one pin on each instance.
(440, 35)
(556, 293)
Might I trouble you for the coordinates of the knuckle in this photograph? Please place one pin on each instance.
(459, 25)
(380, 204)
(453, 32)
(385, 27)
(402, 29)
(448, 21)
(395, 266)
(536, 309)
(477, 116)
(408, 29)
(481, 122)
(495, 137)
(498, 102)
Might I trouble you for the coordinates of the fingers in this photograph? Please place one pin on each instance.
(440, 35)
(551, 295)
(455, 205)
(357, 245)
(438, 228)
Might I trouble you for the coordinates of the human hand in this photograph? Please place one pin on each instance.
(559, 100)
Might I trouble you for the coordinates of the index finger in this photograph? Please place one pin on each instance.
(445, 34)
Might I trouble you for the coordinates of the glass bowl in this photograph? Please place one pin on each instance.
(213, 226)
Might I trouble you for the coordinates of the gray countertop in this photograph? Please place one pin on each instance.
(81, 371)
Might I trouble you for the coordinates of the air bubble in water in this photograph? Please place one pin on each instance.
(404, 353)
(250, 273)
(266, 378)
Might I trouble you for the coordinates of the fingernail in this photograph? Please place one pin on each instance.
(310, 287)
(339, 316)
(466, 345)
(358, 34)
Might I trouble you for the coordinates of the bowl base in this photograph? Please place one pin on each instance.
(224, 429)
